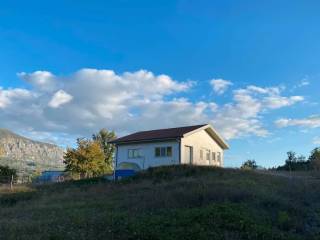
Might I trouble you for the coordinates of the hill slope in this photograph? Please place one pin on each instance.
(167, 203)
(26, 155)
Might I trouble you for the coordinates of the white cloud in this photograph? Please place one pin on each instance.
(310, 122)
(42, 80)
(243, 116)
(60, 98)
(304, 82)
(275, 102)
(220, 85)
(83, 102)
(7, 96)
(316, 141)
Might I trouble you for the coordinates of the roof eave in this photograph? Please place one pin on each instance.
(144, 141)
(224, 145)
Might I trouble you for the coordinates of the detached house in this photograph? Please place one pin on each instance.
(197, 145)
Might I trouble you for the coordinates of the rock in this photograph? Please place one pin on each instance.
(26, 154)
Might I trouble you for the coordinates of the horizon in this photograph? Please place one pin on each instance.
(249, 69)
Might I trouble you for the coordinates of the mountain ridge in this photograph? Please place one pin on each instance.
(28, 155)
(7, 132)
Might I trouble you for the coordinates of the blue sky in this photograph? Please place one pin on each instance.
(53, 85)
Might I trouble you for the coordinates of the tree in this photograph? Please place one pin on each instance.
(249, 165)
(104, 137)
(7, 173)
(314, 158)
(295, 163)
(87, 159)
(291, 160)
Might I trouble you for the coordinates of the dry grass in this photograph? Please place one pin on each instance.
(180, 202)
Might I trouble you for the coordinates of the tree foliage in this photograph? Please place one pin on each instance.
(249, 165)
(295, 163)
(87, 159)
(315, 158)
(7, 173)
(103, 137)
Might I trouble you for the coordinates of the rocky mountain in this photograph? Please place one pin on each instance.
(27, 155)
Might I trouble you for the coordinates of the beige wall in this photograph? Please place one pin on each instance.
(201, 140)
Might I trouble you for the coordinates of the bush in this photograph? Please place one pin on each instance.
(7, 173)
(249, 165)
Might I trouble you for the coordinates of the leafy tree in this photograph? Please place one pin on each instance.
(103, 137)
(87, 159)
(7, 173)
(315, 158)
(249, 165)
(291, 160)
(295, 163)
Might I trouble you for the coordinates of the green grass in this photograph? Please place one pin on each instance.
(179, 202)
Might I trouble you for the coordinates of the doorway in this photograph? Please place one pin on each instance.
(188, 154)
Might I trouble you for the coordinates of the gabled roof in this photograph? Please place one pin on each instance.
(159, 134)
(169, 134)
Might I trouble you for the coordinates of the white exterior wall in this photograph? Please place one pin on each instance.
(201, 140)
(148, 158)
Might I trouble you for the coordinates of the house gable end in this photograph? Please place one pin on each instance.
(212, 133)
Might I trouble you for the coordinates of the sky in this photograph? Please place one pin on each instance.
(249, 68)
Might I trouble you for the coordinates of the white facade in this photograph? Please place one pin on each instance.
(198, 147)
(147, 156)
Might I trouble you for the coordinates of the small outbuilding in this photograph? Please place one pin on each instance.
(196, 145)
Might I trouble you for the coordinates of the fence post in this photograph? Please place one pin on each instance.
(11, 183)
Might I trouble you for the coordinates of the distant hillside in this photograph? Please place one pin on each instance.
(27, 155)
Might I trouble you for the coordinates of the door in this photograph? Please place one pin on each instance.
(188, 154)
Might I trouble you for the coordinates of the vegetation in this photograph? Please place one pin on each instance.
(87, 160)
(176, 202)
(315, 158)
(92, 157)
(300, 163)
(249, 165)
(103, 137)
(7, 174)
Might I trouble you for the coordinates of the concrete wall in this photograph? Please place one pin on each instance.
(201, 140)
(147, 151)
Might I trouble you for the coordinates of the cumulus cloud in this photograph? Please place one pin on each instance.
(243, 116)
(316, 140)
(42, 80)
(60, 98)
(220, 85)
(89, 99)
(7, 96)
(310, 122)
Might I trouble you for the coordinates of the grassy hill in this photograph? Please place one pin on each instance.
(167, 203)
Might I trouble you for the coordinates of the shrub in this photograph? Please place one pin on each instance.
(249, 165)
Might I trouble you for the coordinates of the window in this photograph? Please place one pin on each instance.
(134, 153)
(208, 155)
(201, 154)
(169, 151)
(213, 156)
(219, 157)
(163, 152)
(157, 152)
